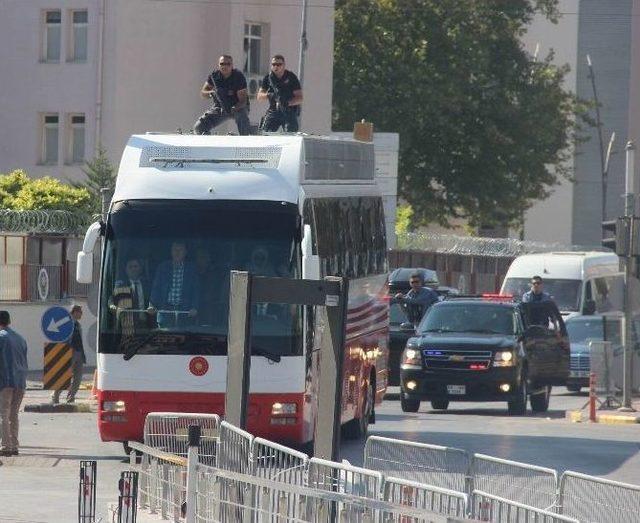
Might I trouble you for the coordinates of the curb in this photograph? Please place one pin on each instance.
(45, 408)
(578, 416)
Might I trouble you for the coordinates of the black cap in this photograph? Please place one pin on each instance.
(5, 318)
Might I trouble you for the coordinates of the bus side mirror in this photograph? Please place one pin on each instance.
(84, 266)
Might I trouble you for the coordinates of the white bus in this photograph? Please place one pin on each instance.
(187, 210)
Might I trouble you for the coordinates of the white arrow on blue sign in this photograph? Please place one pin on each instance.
(57, 324)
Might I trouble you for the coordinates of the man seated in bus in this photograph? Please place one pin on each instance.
(131, 293)
(174, 294)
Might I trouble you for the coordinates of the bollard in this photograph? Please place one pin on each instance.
(192, 473)
(592, 396)
(87, 492)
(128, 498)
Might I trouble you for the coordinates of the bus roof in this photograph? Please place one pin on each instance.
(275, 167)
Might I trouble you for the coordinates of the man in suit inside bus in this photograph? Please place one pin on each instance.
(131, 292)
(175, 288)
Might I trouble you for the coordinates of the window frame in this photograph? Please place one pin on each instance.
(71, 37)
(71, 142)
(46, 26)
(43, 138)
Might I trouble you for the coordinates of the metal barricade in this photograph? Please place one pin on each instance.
(488, 507)
(281, 464)
(347, 479)
(424, 497)
(127, 500)
(527, 484)
(597, 500)
(87, 492)
(168, 431)
(443, 467)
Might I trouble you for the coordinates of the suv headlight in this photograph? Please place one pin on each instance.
(504, 359)
(411, 357)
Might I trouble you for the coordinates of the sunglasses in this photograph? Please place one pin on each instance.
(224, 63)
(536, 283)
(277, 64)
(415, 281)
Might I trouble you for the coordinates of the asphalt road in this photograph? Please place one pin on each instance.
(41, 484)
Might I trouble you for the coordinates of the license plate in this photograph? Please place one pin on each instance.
(579, 374)
(456, 389)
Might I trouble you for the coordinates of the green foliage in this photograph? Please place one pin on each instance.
(100, 174)
(19, 192)
(404, 213)
(485, 130)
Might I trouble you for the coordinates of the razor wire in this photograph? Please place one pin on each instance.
(42, 221)
(498, 247)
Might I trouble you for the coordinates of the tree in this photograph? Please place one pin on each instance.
(19, 192)
(485, 130)
(100, 174)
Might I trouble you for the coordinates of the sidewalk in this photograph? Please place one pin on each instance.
(39, 400)
(607, 416)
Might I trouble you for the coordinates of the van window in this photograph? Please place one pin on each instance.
(566, 293)
(608, 293)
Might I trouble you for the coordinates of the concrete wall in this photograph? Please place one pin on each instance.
(551, 219)
(156, 56)
(25, 318)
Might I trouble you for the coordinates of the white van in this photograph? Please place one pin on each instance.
(579, 282)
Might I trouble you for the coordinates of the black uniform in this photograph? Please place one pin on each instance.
(225, 96)
(280, 90)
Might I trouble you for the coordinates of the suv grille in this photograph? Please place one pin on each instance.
(456, 359)
(580, 362)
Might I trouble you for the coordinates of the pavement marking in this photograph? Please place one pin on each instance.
(617, 419)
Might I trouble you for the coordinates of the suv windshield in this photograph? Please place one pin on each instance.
(165, 282)
(480, 317)
(566, 293)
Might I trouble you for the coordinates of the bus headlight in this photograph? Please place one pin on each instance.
(284, 408)
(411, 358)
(113, 406)
(504, 359)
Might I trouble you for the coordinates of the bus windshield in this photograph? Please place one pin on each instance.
(165, 281)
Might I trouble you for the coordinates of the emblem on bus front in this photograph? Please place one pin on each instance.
(198, 366)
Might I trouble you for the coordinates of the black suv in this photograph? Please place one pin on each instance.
(486, 349)
(400, 328)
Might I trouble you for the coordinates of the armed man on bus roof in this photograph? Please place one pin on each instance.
(282, 88)
(227, 87)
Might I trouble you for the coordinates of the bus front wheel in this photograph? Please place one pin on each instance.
(359, 427)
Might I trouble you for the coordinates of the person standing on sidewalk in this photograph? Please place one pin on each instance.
(13, 383)
(78, 358)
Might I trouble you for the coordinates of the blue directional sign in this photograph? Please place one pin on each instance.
(57, 324)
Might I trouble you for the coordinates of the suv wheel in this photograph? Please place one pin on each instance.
(518, 405)
(439, 404)
(408, 405)
(540, 402)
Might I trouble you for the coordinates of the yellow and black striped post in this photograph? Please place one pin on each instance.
(57, 366)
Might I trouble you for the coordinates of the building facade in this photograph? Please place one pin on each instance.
(608, 31)
(88, 72)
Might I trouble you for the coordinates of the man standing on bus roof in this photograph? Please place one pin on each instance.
(78, 358)
(227, 87)
(13, 383)
(418, 300)
(282, 88)
(175, 287)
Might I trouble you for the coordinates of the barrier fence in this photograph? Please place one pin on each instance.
(255, 480)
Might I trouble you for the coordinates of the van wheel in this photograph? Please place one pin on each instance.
(439, 404)
(518, 405)
(540, 402)
(359, 427)
(408, 405)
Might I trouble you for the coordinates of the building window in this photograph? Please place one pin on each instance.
(252, 48)
(52, 34)
(78, 36)
(76, 139)
(50, 132)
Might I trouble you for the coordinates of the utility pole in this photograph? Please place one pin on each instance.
(603, 173)
(629, 260)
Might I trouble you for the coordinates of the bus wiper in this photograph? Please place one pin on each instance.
(132, 348)
(269, 355)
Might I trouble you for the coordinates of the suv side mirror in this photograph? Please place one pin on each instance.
(407, 326)
(589, 307)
